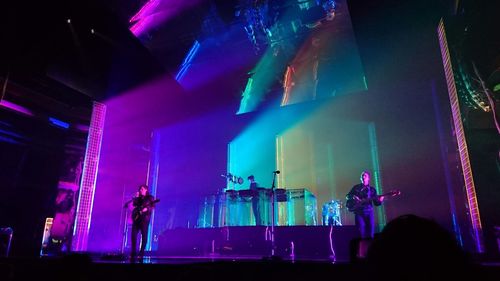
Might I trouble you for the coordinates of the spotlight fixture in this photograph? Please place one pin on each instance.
(68, 20)
(92, 31)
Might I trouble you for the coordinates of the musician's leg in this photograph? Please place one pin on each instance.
(371, 224)
(135, 231)
(144, 237)
(360, 223)
(256, 211)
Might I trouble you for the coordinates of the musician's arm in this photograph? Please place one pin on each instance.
(135, 201)
(351, 195)
(149, 204)
(377, 201)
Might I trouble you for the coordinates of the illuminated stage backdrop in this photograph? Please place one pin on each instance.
(184, 143)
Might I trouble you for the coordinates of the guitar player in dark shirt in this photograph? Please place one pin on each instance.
(143, 204)
(360, 201)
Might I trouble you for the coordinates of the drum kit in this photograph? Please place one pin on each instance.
(331, 212)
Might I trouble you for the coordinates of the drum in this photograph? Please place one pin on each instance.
(332, 208)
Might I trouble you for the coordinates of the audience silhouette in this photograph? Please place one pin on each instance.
(415, 248)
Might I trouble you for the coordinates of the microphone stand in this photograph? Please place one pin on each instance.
(273, 245)
(126, 227)
(125, 223)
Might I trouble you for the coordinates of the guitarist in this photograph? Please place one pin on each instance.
(143, 205)
(363, 211)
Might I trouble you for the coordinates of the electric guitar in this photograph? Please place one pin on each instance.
(137, 212)
(355, 202)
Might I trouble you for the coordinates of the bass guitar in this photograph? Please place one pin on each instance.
(355, 202)
(137, 212)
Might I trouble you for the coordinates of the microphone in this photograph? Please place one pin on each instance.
(276, 172)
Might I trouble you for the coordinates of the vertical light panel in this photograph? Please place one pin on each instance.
(89, 175)
(282, 213)
(473, 207)
(447, 172)
(229, 167)
(152, 182)
(331, 182)
(376, 171)
(280, 159)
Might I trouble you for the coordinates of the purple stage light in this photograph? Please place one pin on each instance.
(156, 12)
(16, 107)
(58, 123)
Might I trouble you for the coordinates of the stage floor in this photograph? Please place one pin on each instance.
(153, 259)
(99, 267)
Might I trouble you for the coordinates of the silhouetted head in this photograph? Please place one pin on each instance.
(416, 248)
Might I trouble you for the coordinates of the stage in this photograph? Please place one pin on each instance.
(242, 253)
(326, 243)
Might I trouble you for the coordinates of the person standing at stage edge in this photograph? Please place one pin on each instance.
(255, 199)
(360, 201)
(143, 204)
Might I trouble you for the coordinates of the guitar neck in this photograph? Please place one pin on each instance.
(353, 204)
(370, 198)
(150, 203)
(377, 196)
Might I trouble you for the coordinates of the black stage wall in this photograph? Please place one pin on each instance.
(309, 242)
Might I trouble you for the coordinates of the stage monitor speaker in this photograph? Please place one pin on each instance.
(46, 237)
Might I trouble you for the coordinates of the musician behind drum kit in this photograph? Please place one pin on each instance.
(255, 200)
(252, 191)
